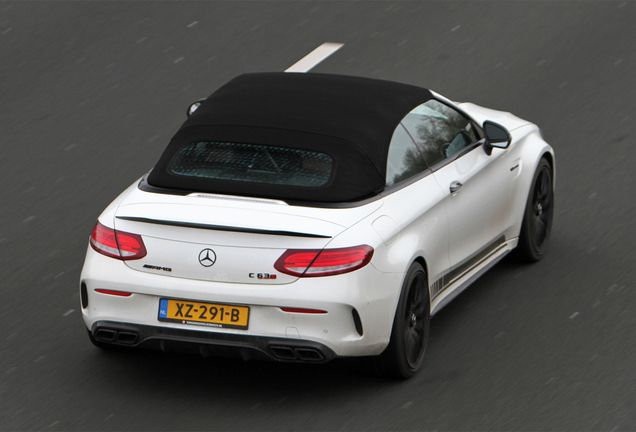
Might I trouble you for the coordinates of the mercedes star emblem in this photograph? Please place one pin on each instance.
(207, 257)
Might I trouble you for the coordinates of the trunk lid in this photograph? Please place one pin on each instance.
(225, 239)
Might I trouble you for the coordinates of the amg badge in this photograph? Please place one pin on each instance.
(154, 267)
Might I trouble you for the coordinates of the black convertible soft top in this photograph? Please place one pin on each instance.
(351, 119)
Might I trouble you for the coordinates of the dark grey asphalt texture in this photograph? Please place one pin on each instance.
(90, 94)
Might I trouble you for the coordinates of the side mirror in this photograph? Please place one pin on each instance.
(496, 136)
(193, 106)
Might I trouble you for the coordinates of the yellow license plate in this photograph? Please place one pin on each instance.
(204, 314)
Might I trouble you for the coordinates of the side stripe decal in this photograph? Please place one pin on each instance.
(449, 278)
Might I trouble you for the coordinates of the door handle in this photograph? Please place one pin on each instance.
(455, 186)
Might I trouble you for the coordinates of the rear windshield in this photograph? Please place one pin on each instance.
(253, 163)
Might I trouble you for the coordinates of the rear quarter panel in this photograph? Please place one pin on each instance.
(410, 225)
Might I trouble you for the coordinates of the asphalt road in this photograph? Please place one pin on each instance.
(90, 94)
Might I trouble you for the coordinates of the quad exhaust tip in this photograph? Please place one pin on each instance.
(116, 336)
(296, 354)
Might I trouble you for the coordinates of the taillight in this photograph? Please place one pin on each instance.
(325, 262)
(117, 244)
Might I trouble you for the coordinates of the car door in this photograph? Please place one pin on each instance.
(475, 186)
(418, 207)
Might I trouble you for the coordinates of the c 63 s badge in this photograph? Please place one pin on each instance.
(262, 276)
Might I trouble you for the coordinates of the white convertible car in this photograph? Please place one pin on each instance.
(304, 217)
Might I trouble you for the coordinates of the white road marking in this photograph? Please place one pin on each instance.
(192, 24)
(618, 62)
(67, 313)
(29, 219)
(7, 30)
(455, 28)
(141, 40)
(406, 405)
(541, 62)
(179, 59)
(574, 315)
(316, 56)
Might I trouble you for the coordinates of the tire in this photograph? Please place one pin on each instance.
(536, 228)
(403, 356)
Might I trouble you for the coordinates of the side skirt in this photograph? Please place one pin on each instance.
(441, 297)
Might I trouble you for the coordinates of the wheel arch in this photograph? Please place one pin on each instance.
(533, 150)
(422, 261)
(549, 156)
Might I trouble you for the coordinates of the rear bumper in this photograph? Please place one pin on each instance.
(360, 309)
(242, 346)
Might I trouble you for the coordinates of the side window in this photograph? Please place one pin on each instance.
(439, 131)
(404, 160)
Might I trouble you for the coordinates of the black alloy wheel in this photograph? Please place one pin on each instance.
(403, 356)
(537, 222)
(416, 321)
